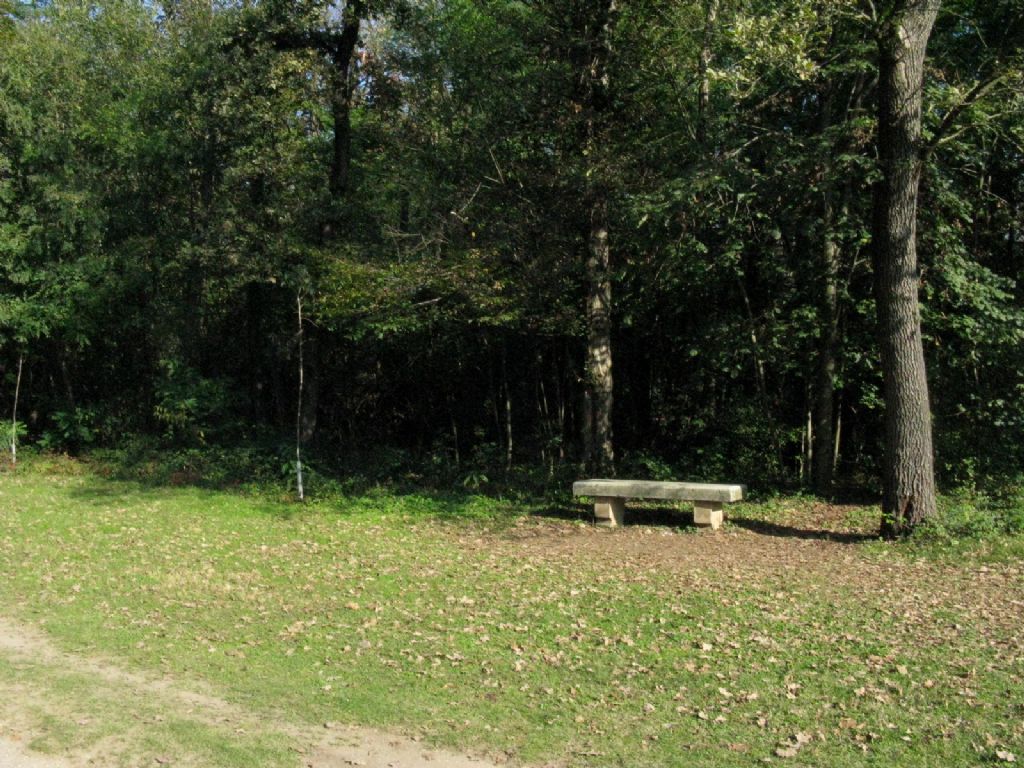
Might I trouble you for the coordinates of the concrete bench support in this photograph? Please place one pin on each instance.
(609, 511)
(708, 513)
(610, 497)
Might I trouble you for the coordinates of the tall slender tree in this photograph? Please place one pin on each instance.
(591, 64)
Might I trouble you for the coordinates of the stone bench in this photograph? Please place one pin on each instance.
(610, 497)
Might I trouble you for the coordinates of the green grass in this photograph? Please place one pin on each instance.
(458, 618)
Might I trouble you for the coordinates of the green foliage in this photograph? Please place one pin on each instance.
(164, 196)
(147, 461)
(13, 432)
(189, 407)
(975, 517)
(647, 467)
(69, 431)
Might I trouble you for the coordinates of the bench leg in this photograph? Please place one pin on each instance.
(708, 513)
(609, 511)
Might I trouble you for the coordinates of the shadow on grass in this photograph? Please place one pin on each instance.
(571, 514)
(665, 517)
(449, 505)
(102, 492)
(344, 487)
(766, 528)
(673, 517)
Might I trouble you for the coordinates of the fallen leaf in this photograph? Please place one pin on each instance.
(1006, 757)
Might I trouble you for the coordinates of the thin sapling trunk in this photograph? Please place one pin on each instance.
(14, 413)
(298, 412)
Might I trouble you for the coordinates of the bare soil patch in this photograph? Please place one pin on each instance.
(331, 746)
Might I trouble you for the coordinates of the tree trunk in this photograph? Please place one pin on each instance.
(339, 49)
(14, 412)
(298, 409)
(703, 67)
(341, 99)
(310, 412)
(823, 466)
(908, 467)
(508, 409)
(593, 84)
(835, 193)
(599, 339)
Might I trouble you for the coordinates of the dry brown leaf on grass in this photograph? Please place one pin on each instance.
(794, 745)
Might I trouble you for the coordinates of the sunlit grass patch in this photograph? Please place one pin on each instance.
(783, 637)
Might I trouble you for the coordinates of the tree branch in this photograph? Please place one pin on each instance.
(978, 92)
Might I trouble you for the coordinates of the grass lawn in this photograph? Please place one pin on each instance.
(789, 637)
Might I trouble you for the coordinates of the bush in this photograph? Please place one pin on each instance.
(69, 430)
(975, 517)
(142, 459)
(190, 407)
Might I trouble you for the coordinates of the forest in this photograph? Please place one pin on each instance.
(776, 243)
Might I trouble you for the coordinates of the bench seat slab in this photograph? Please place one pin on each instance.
(653, 489)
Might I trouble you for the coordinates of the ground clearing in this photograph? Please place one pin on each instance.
(788, 637)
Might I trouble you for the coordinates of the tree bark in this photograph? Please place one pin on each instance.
(14, 412)
(703, 67)
(908, 467)
(593, 84)
(835, 195)
(341, 99)
(310, 413)
(823, 465)
(338, 47)
(599, 338)
(298, 410)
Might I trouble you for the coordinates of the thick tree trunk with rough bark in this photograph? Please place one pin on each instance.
(908, 468)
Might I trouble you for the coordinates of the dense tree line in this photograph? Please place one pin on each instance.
(682, 238)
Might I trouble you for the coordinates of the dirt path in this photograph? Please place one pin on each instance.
(24, 705)
(14, 754)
